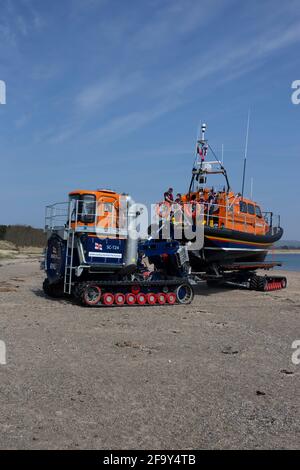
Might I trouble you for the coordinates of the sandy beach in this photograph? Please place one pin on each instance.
(215, 374)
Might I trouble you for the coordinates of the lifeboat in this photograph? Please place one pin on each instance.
(236, 229)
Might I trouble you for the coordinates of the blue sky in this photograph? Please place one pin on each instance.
(110, 93)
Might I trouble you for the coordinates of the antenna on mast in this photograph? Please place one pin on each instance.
(203, 129)
(251, 188)
(202, 169)
(245, 156)
(197, 153)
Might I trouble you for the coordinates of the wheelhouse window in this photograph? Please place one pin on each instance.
(258, 212)
(251, 209)
(243, 207)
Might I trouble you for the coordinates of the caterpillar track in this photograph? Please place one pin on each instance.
(147, 293)
(268, 283)
(254, 282)
(93, 294)
(120, 293)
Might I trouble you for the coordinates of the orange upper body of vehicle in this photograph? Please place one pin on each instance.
(99, 208)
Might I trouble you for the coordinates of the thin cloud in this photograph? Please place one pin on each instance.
(175, 20)
(99, 95)
(14, 26)
(132, 121)
(234, 64)
(166, 90)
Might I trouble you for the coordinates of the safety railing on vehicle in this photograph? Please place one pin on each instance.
(89, 217)
(56, 216)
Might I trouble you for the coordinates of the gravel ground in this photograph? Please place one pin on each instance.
(214, 374)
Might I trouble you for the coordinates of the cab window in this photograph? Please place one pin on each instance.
(258, 211)
(105, 208)
(251, 209)
(243, 206)
(108, 207)
(74, 206)
(86, 208)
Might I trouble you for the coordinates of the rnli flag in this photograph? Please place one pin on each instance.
(200, 153)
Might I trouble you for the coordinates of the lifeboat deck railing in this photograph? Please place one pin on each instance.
(228, 216)
(267, 223)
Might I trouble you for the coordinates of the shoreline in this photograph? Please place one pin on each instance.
(284, 252)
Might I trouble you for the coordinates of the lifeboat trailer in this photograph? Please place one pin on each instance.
(91, 255)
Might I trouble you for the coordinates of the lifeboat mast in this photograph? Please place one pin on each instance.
(202, 168)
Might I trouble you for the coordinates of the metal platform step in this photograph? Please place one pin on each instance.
(249, 265)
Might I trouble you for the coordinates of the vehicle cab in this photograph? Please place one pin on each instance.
(94, 210)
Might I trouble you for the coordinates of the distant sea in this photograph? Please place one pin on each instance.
(290, 261)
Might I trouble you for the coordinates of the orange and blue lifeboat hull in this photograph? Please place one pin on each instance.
(222, 246)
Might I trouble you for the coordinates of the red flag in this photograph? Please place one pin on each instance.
(200, 152)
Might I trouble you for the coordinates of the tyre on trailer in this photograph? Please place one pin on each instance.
(283, 283)
(108, 298)
(151, 298)
(141, 298)
(91, 294)
(253, 285)
(171, 298)
(130, 298)
(161, 298)
(135, 289)
(119, 299)
(184, 294)
(262, 283)
(55, 258)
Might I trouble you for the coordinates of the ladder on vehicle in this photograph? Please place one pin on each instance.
(69, 262)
